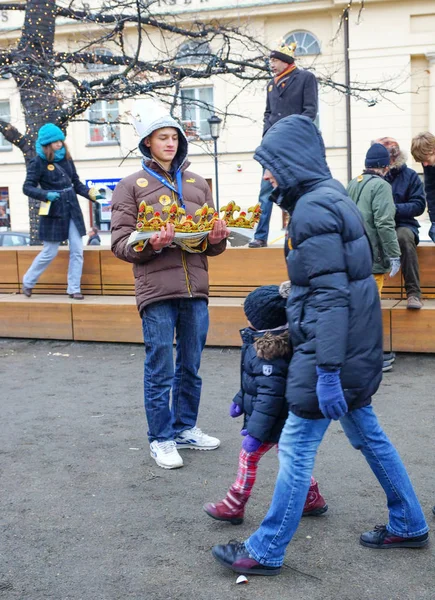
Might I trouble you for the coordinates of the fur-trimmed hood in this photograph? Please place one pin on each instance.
(400, 160)
(271, 345)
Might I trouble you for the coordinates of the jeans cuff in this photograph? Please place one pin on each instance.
(255, 556)
(408, 534)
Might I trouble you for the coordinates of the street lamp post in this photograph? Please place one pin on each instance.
(215, 125)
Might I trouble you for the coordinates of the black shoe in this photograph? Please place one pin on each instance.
(27, 292)
(257, 244)
(381, 538)
(77, 296)
(234, 556)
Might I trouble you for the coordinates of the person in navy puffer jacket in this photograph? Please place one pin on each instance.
(265, 358)
(410, 201)
(335, 326)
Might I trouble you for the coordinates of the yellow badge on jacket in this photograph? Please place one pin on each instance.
(50, 167)
(142, 182)
(270, 88)
(190, 180)
(165, 200)
(289, 244)
(360, 178)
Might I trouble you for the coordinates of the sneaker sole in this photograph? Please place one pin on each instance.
(317, 512)
(395, 545)
(235, 521)
(165, 466)
(387, 369)
(265, 571)
(194, 447)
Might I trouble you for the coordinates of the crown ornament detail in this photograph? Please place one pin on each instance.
(205, 218)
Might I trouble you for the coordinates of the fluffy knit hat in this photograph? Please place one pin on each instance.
(392, 146)
(377, 157)
(265, 308)
(50, 133)
(285, 53)
(148, 115)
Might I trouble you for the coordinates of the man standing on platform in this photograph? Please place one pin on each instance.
(292, 91)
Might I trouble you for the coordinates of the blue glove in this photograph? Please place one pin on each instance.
(330, 394)
(250, 444)
(395, 266)
(52, 196)
(235, 410)
(432, 232)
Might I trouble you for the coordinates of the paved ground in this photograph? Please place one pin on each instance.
(86, 514)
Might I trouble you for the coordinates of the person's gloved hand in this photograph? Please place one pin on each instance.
(432, 232)
(235, 410)
(250, 444)
(330, 394)
(52, 196)
(395, 266)
(94, 194)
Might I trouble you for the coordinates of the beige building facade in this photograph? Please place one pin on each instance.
(391, 49)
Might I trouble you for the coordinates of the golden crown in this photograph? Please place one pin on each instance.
(148, 220)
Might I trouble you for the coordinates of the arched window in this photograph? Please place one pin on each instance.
(306, 42)
(193, 53)
(96, 66)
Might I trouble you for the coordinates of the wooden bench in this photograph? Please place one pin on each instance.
(109, 312)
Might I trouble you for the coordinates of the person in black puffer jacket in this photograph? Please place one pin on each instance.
(52, 179)
(266, 352)
(335, 325)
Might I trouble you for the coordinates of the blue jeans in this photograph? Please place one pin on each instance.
(47, 255)
(262, 231)
(298, 445)
(188, 319)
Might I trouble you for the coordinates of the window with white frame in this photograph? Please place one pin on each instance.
(196, 108)
(193, 53)
(103, 128)
(306, 42)
(5, 115)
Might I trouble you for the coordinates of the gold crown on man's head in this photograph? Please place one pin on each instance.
(284, 52)
(148, 220)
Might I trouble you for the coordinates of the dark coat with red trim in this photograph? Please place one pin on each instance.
(295, 94)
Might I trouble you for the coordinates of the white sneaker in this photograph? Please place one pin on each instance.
(196, 440)
(165, 454)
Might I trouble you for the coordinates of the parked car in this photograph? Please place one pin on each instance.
(14, 238)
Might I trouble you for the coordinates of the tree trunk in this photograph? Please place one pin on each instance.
(40, 101)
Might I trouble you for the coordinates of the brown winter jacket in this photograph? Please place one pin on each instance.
(174, 273)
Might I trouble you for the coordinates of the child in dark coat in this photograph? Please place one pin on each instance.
(266, 354)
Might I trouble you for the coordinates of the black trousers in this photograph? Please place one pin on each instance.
(409, 261)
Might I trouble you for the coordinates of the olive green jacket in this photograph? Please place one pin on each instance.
(374, 198)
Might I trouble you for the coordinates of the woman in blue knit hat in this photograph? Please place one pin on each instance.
(52, 178)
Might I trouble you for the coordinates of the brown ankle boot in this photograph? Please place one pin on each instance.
(315, 504)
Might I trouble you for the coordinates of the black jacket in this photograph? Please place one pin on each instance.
(43, 177)
(295, 94)
(429, 188)
(333, 311)
(264, 366)
(409, 197)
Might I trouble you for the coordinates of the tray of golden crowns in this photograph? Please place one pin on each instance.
(191, 231)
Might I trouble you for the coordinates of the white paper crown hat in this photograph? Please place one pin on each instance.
(148, 115)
